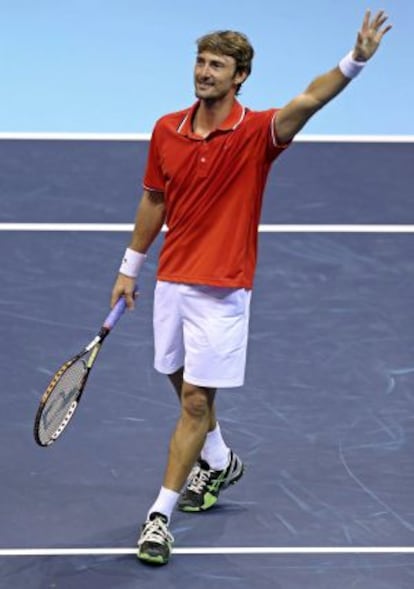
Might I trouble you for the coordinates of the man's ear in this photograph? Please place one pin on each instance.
(240, 77)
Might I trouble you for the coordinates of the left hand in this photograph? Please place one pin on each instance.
(370, 35)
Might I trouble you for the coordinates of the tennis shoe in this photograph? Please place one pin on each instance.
(155, 541)
(204, 484)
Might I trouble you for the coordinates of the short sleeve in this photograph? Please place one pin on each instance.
(274, 148)
(153, 177)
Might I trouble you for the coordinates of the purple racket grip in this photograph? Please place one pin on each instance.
(116, 313)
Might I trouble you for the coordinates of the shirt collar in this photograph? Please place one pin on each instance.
(234, 119)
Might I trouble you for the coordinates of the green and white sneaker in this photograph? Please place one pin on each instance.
(204, 484)
(155, 541)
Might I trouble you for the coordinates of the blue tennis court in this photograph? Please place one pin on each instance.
(324, 422)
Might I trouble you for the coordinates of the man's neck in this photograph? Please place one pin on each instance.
(211, 114)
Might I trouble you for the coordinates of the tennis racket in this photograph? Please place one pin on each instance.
(61, 398)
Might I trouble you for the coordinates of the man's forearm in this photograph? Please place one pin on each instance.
(148, 222)
(292, 117)
(325, 87)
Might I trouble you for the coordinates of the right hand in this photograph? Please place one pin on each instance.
(124, 286)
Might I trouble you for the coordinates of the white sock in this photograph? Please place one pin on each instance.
(164, 503)
(215, 452)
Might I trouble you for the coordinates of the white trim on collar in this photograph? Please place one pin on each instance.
(239, 122)
(181, 125)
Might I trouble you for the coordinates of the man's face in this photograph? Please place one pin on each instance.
(215, 76)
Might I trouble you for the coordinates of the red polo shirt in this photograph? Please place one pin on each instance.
(213, 189)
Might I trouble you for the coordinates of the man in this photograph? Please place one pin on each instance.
(205, 177)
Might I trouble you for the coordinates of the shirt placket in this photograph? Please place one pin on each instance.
(203, 159)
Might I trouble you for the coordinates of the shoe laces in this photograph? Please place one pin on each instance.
(155, 530)
(199, 478)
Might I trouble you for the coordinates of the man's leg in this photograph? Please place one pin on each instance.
(197, 411)
(177, 380)
(215, 456)
(154, 545)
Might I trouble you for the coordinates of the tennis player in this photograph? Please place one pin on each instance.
(205, 177)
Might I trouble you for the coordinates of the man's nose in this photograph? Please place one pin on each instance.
(205, 70)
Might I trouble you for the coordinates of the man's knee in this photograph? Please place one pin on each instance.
(196, 402)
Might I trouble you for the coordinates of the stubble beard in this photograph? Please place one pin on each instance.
(210, 98)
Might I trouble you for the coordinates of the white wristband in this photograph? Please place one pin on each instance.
(132, 263)
(350, 67)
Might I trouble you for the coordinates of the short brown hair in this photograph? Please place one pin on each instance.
(231, 43)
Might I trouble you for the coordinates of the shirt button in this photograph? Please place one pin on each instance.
(203, 159)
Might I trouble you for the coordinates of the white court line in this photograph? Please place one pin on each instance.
(113, 227)
(128, 227)
(277, 550)
(27, 136)
(263, 228)
(146, 137)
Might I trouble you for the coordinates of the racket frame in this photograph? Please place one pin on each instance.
(93, 349)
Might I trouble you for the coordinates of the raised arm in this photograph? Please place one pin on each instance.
(148, 223)
(292, 117)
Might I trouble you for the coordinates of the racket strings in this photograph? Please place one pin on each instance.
(61, 399)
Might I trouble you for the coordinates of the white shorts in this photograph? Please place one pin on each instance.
(204, 329)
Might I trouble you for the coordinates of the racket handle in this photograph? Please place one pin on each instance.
(116, 313)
